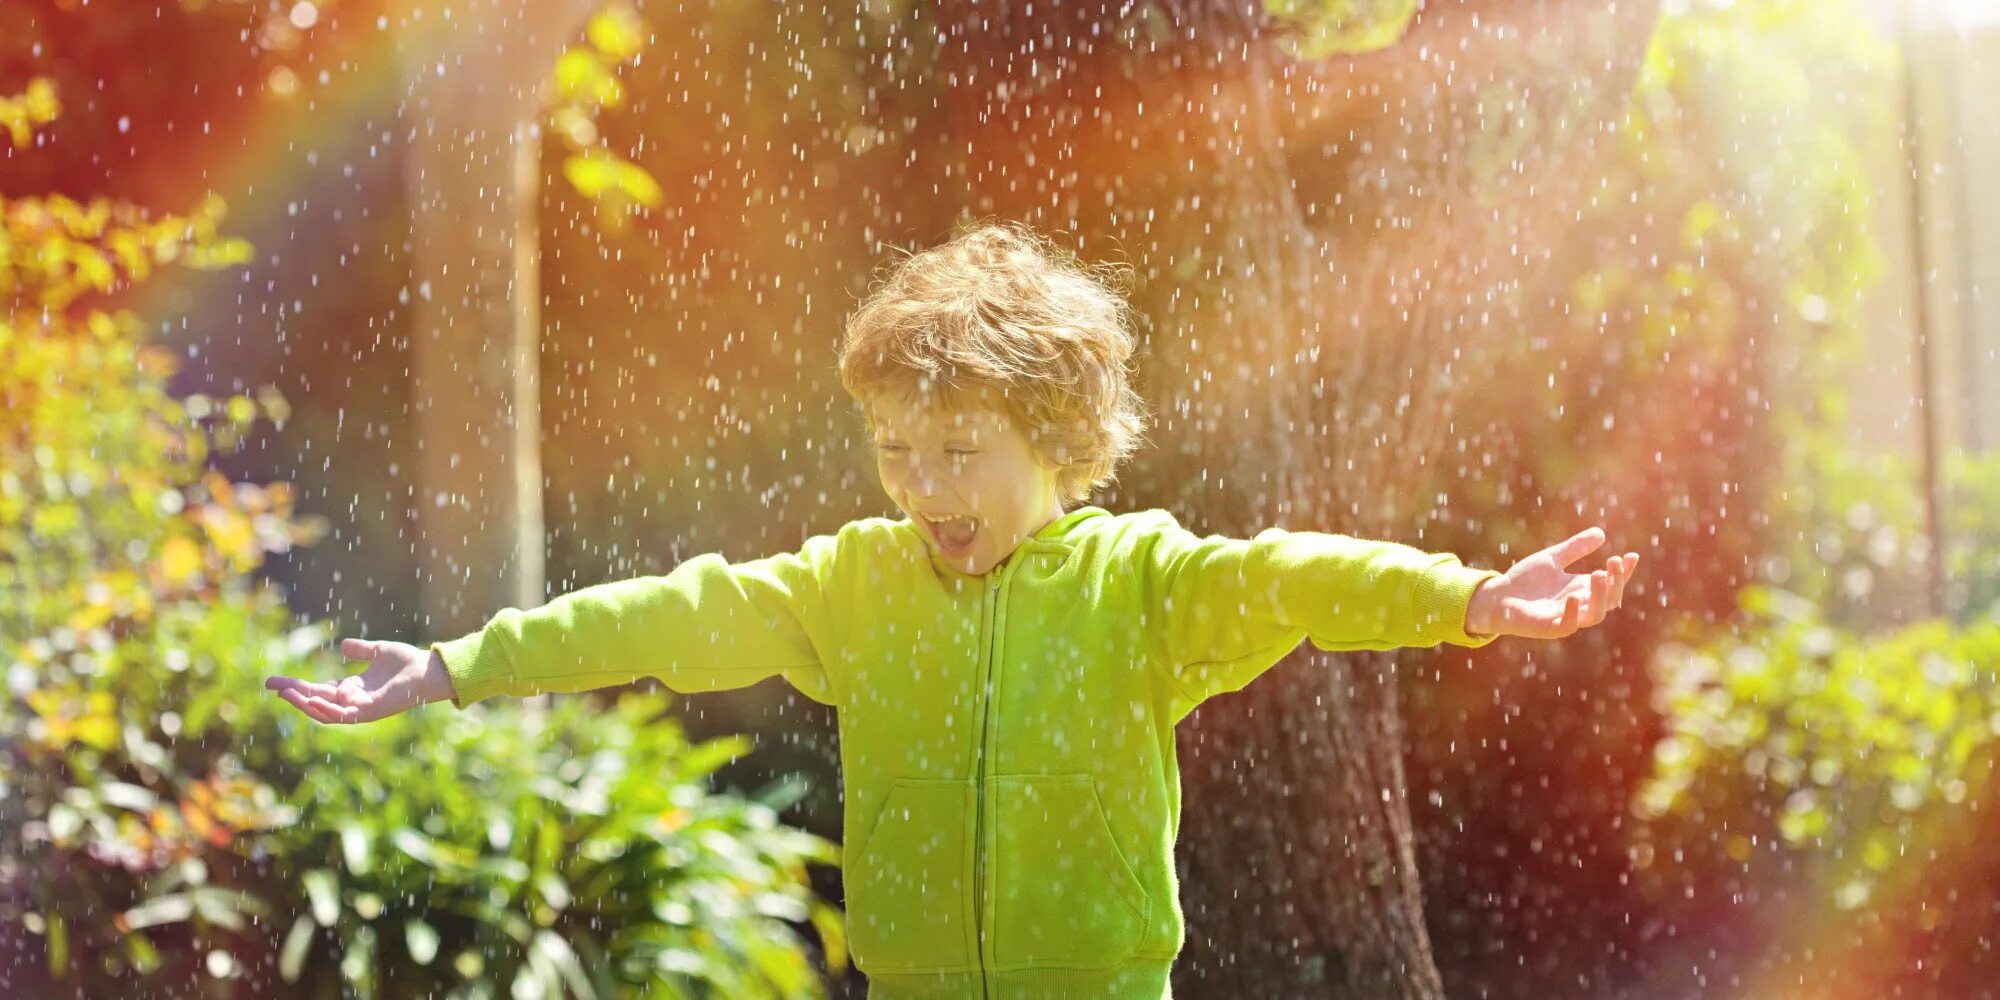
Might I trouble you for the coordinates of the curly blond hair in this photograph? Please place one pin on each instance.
(1002, 310)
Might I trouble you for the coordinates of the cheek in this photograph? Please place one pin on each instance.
(1004, 487)
(891, 475)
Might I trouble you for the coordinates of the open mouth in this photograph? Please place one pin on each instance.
(953, 533)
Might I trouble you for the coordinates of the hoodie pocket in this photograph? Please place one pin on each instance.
(1064, 894)
(909, 887)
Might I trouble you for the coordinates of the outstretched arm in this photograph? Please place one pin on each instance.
(1539, 598)
(708, 625)
(1219, 611)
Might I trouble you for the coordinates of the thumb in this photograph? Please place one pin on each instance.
(358, 649)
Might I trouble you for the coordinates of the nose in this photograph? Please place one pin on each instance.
(923, 478)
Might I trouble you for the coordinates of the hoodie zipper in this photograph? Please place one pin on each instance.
(991, 611)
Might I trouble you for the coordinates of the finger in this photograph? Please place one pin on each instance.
(303, 704)
(344, 696)
(326, 711)
(358, 649)
(1579, 545)
(308, 688)
(1572, 618)
(1600, 595)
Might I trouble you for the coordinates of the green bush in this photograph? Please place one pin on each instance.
(167, 825)
(1841, 746)
(1835, 721)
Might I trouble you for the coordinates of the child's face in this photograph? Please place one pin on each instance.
(968, 478)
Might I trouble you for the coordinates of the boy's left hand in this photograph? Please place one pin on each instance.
(1539, 598)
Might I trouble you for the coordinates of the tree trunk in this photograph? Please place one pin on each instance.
(473, 75)
(1308, 344)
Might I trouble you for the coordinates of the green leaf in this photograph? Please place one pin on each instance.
(225, 907)
(357, 960)
(685, 961)
(140, 951)
(167, 909)
(58, 933)
(511, 870)
(64, 822)
(535, 979)
(784, 791)
(422, 940)
(832, 928)
(356, 846)
(553, 890)
(563, 957)
(291, 959)
(128, 796)
(416, 845)
(323, 891)
(705, 757)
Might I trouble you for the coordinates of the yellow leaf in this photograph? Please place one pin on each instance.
(1335, 27)
(95, 269)
(89, 616)
(581, 77)
(180, 560)
(602, 174)
(232, 534)
(618, 32)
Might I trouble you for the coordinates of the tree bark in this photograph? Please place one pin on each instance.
(1307, 345)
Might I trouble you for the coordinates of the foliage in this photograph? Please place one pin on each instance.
(21, 114)
(583, 83)
(1839, 744)
(1322, 28)
(1824, 718)
(164, 821)
(1815, 719)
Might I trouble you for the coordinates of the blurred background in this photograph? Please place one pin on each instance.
(368, 317)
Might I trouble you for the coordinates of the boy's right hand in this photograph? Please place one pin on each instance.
(399, 677)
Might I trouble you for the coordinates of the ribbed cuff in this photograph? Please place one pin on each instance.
(1439, 599)
(478, 668)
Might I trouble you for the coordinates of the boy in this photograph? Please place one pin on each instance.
(1007, 670)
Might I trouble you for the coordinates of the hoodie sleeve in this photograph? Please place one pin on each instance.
(1228, 608)
(709, 625)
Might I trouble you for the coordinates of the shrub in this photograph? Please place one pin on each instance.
(167, 827)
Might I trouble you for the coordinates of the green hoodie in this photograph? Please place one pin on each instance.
(1012, 794)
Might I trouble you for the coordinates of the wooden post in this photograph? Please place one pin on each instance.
(472, 71)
